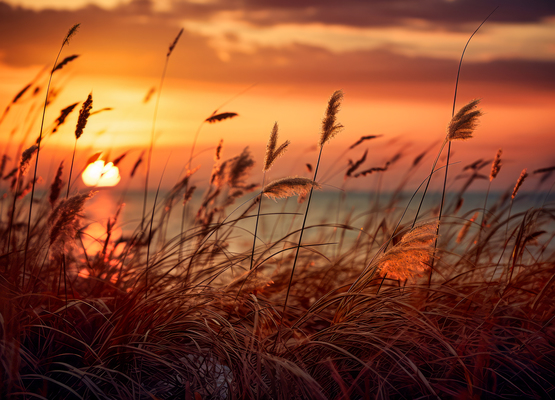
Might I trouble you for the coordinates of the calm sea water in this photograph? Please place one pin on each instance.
(350, 211)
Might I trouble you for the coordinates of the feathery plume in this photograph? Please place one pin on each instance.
(56, 186)
(464, 230)
(462, 125)
(137, 163)
(63, 116)
(188, 194)
(330, 127)
(290, 186)
(174, 42)
(218, 153)
(220, 117)
(519, 182)
(149, 94)
(118, 159)
(26, 159)
(410, 256)
(72, 31)
(21, 93)
(83, 116)
(239, 168)
(271, 153)
(354, 165)
(362, 139)
(64, 222)
(65, 61)
(372, 170)
(496, 165)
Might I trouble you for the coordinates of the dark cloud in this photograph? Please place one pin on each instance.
(131, 41)
(364, 13)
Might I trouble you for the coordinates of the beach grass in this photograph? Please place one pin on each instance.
(402, 310)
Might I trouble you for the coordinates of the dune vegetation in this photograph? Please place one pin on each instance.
(431, 303)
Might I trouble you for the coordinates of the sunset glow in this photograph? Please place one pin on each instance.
(99, 174)
(278, 62)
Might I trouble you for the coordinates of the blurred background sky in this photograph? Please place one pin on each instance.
(395, 60)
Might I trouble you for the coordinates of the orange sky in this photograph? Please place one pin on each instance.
(395, 60)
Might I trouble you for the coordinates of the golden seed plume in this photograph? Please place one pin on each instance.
(519, 182)
(70, 34)
(83, 116)
(466, 227)
(290, 186)
(271, 153)
(463, 124)
(64, 221)
(330, 127)
(56, 186)
(411, 255)
(26, 159)
(496, 165)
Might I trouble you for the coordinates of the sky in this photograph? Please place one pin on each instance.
(279, 61)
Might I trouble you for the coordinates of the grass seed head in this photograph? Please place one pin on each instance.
(496, 165)
(464, 123)
(409, 258)
(83, 116)
(272, 154)
(290, 186)
(330, 127)
(519, 182)
(26, 159)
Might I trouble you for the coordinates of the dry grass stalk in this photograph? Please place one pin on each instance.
(463, 124)
(410, 256)
(26, 159)
(330, 127)
(64, 222)
(83, 116)
(272, 154)
(496, 165)
(519, 182)
(290, 186)
(464, 230)
(56, 186)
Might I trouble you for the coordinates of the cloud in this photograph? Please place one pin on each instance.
(132, 39)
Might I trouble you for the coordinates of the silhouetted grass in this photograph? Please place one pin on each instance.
(360, 322)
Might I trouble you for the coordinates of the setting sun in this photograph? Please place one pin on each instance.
(101, 175)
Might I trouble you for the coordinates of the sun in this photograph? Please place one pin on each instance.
(100, 174)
